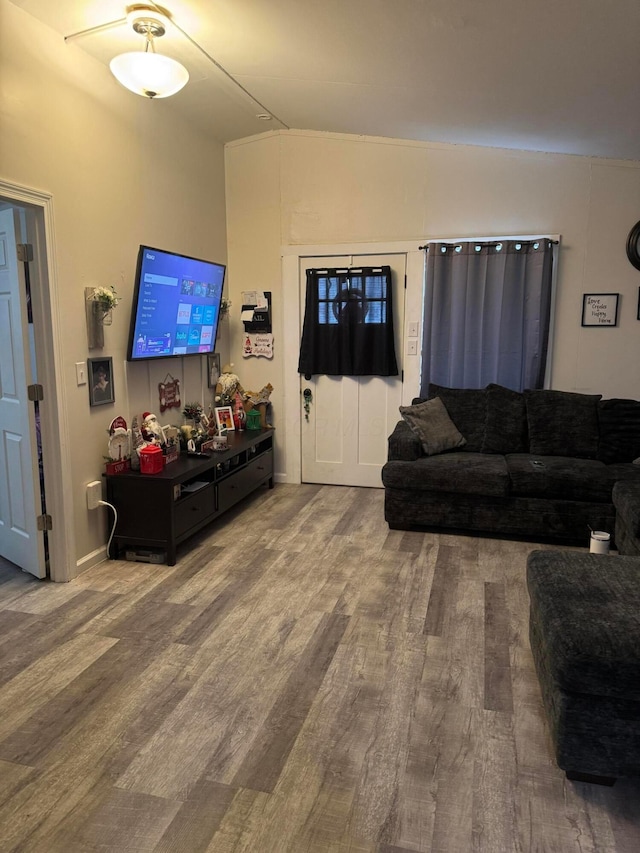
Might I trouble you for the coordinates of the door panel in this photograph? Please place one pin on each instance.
(344, 439)
(20, 501)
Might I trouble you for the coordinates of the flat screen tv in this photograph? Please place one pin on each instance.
(176, 305)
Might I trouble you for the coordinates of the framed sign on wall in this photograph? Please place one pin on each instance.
(600, 309)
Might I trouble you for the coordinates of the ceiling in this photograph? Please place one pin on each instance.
(548, 76)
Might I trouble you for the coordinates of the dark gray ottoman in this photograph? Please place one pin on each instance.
(585, 638)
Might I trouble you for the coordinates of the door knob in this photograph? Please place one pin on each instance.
(308, 397)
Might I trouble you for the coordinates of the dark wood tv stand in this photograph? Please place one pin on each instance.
(156, 512)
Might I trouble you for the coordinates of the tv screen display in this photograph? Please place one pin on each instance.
(176, 305)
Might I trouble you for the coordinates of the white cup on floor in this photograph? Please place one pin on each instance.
(600, 542)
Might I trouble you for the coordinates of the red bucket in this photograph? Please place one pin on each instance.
(151, 459)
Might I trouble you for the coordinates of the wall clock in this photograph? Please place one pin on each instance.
(633, 246)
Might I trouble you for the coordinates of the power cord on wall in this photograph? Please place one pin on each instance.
(115, 521)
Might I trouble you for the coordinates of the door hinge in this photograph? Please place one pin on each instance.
(35, 393)
(25, 251)
(402, 376)
(44, 522)
(405, 281)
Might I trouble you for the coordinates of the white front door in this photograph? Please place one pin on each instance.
(344, 432)
(20, 500)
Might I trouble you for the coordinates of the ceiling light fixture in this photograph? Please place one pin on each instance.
(148, 73)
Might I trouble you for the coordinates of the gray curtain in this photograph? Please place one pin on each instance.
(486, 314)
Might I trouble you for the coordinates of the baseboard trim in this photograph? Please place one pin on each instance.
(90, 560)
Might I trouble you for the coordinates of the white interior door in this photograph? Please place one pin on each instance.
(344, 433)
(20, 501)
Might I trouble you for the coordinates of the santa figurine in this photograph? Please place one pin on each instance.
(152, 432)
(227, 387)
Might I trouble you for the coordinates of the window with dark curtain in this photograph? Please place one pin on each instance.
(348, 323)
(487, 312)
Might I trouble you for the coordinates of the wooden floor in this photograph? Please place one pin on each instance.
(302, 680)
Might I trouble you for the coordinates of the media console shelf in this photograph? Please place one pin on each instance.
(159, 511)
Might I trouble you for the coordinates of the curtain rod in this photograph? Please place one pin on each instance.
(489, 242)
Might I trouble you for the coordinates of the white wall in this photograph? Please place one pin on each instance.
(304, 188)
(122, 171)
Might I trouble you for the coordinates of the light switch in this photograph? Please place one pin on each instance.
(413, 329)
(412, 347)
(81, 373)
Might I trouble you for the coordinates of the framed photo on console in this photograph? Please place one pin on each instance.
(100, 374)
(600, 309)
(224, 418)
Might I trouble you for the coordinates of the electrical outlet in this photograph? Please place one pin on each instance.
(94, 494)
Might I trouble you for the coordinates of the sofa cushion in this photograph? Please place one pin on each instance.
(624, 471)
(467, 408)
(562, 423)
(505, 426)
(433, 426)
(458, 472)
(559, 477)
(619, 427)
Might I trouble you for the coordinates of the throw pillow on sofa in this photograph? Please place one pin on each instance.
(434, 428)
(563, 423)
(467, 408)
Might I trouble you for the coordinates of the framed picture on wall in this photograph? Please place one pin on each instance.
(100, 373)
(600, 309)
(213, 369)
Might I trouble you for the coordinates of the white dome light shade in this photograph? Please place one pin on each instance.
(151, 75)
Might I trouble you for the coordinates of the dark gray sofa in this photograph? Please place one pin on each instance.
(538, 463)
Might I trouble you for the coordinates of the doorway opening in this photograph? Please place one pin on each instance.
(50, 460)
